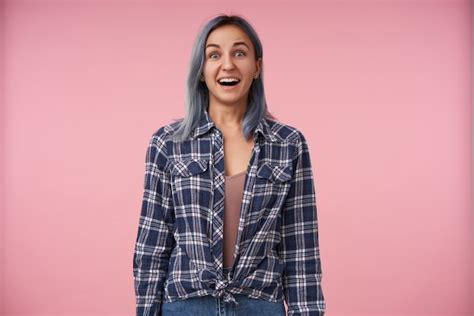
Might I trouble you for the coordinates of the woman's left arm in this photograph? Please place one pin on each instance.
(299, 246)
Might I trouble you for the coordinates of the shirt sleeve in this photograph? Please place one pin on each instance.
(154, 240)
(299, 246)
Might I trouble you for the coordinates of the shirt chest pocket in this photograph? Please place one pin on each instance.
(271, 188)
(191, 184)
(274, 173)
(188, 167)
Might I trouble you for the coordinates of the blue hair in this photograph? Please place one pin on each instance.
(197, 93)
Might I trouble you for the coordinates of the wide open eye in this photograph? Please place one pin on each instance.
(238, 51)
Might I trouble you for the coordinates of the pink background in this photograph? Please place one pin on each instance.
(381, 89)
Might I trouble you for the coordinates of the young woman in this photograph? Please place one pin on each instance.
(228, 222)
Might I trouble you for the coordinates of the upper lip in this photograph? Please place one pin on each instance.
(228, 77)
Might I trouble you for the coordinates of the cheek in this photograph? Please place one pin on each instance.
(249, 71)
(207, 70)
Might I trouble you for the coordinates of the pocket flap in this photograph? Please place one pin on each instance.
(275, 173)
(188, 167)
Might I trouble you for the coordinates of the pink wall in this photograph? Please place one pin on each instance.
(2, 156)
(381, 89)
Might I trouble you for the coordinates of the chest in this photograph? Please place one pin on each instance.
(197, 168)
(237, 153)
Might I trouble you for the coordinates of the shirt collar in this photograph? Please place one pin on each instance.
(205, 124)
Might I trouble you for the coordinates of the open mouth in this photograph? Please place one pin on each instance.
(228, 82)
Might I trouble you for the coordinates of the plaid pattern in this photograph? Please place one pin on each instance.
(178, 249)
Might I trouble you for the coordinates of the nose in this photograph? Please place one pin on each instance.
(227, 62)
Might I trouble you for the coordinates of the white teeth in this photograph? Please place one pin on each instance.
(228, 80)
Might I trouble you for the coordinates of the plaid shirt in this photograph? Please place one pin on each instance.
(178, 250)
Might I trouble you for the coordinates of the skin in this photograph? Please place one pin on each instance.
(226, 108)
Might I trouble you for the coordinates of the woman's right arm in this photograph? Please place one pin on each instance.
(154, 240)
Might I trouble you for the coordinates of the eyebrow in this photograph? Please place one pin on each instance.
(235, 44)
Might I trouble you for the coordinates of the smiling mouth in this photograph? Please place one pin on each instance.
(228, 83)
(229, 87)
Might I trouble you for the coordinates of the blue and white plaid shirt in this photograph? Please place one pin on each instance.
(178, 250)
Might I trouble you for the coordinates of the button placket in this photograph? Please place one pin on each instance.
(218, 199)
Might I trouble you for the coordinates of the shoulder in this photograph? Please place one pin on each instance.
(285, 133)
(157, 150)
(164, 132)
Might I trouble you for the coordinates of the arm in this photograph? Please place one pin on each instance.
(155, 231)
(299, 246)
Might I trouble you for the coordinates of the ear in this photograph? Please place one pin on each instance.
(258, 65)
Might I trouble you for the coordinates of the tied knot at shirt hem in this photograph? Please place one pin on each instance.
(223, 288)
(226, 296)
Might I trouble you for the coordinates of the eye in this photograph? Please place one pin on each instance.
(215, 53)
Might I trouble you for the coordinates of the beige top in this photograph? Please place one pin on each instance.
(234, 187)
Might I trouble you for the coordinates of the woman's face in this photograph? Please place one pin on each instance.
(229, 53)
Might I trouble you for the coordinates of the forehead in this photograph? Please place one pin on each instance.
(227, 35)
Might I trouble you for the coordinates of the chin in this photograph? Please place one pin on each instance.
(229, 99)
